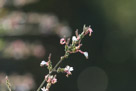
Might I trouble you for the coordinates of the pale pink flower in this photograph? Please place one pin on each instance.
(62, 41)
(68, 70)
(44, 63)
(54, 80)
(78, 37)
(46, 77)
(89, 31)
(50, 79)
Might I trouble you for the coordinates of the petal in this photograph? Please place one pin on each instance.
(46, 77)
(43, 63)
(43, 89)
(90, 30)
(71, 69)
(86, 54)
(67, 67)
(74, 38)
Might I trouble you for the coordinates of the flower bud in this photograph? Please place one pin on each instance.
(74, 39)
(86, 54)
(62, 41)
(44, 63)
(90, 31)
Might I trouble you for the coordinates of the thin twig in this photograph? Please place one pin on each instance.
(61, 59)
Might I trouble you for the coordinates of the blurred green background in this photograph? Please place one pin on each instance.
(31, 29)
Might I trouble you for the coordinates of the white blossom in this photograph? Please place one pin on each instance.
(44, 89)
(44, 63)
(86, 54)
(74, 39)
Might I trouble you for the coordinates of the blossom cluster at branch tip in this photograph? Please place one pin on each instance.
(44, 63)
(89, 31)
(44, 89)
(50, 79)
(75, 46)
(68, 70)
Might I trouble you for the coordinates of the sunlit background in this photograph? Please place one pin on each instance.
(31, 29)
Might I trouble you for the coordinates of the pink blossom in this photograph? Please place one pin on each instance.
(90, 31)
(50, 79)
(54, 80)
(68, 70)
(62, 41)
(46, 77)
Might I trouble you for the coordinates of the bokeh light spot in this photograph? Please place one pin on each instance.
(92, 79)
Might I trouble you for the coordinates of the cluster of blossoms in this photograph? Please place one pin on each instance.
(76, 41)
(74, 47)
(51, 79)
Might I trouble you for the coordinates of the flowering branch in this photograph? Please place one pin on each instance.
(69, 49)
(8, 83)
